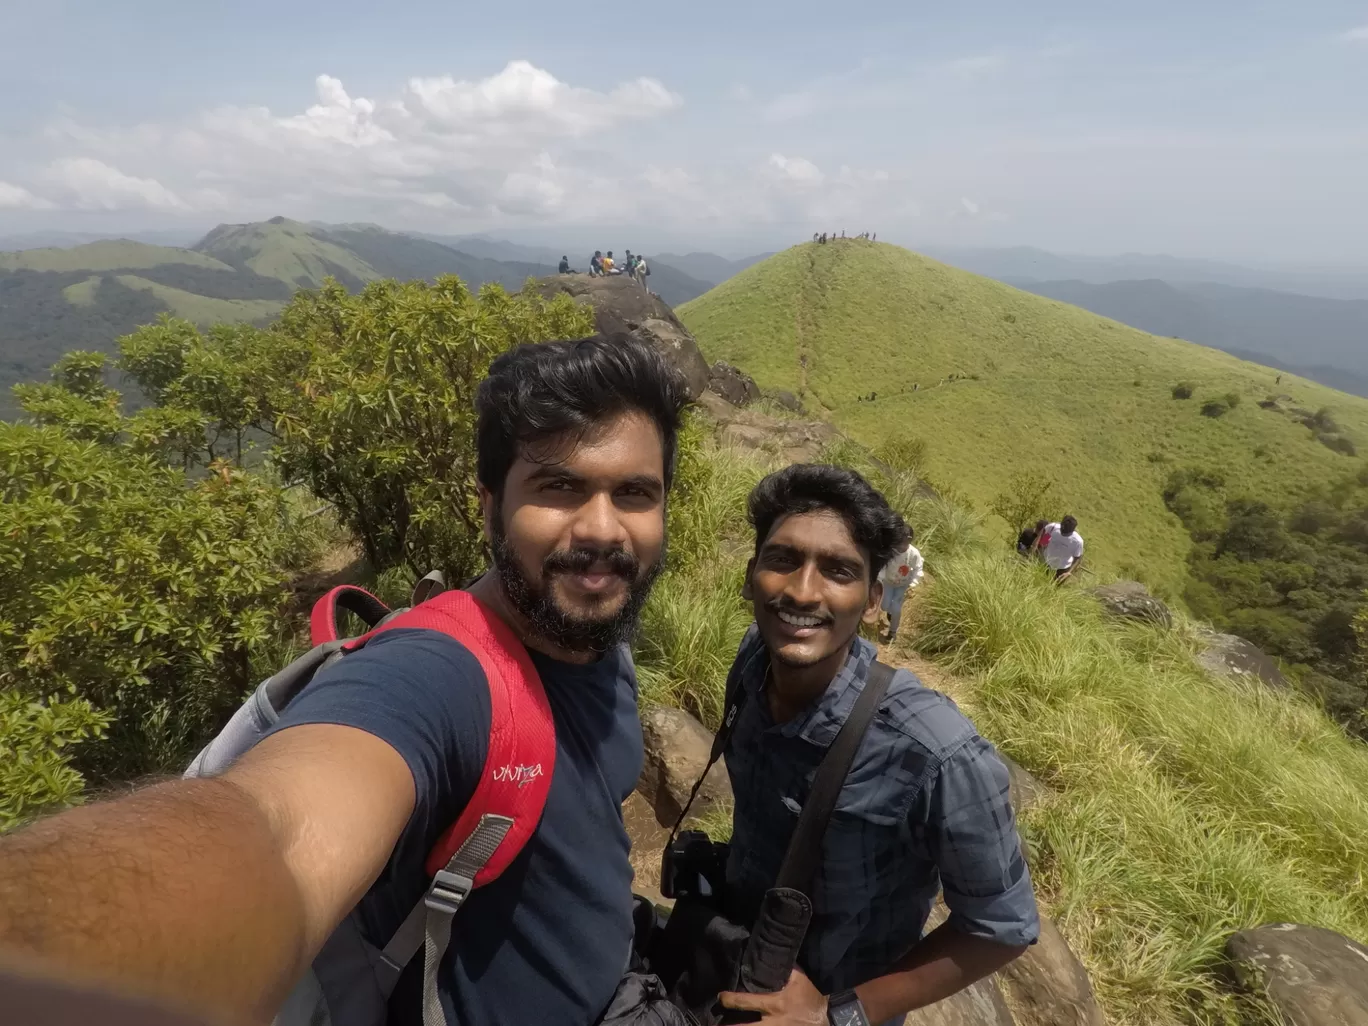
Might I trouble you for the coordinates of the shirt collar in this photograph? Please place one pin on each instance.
(823, 720)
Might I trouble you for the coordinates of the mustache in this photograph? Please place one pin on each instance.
(781, 605)
(579, 561)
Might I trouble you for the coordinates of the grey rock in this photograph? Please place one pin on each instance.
(623, 307)
(1313, 976)
(786, 400)
(1132, 599)
(981, 1004)
(1048, 986)
(1228, 656)
(735, 386)
(677, 749)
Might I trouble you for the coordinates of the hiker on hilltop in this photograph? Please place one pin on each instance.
(900, 574)
(596, 264)
(1061, 546)
(564, 265)
(608, 264)
(216, 893)
(812, 722)
(641, 272)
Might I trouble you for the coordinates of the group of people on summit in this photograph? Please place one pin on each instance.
(600, 264)
(228, 893)
(823, 237)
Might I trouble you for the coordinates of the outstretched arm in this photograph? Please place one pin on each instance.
(214, 894)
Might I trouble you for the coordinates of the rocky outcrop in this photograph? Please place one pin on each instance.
(1048, 986)
(1228, 656)
(795, 441)
(785, 400)
(1132, 599)
(1313, 976)
(677, 749)
(735, 386)
(622, 306)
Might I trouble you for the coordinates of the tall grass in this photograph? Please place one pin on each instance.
(694, 620)
(1186, 807)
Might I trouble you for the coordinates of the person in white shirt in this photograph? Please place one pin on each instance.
(899, 574)
(1062, 547)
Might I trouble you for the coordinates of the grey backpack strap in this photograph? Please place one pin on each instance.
(428, 925)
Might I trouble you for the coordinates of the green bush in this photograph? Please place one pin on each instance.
(37, 738)
(1183, 390)
(1232, 399)
(135, 589)
(1215, 408)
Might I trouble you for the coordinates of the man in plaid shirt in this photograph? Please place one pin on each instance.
(924, 808)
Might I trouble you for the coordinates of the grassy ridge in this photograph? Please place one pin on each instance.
(1038, 386)
(200, 309)
(106, 255)
(1186, 807)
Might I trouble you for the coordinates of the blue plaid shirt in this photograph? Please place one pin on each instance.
(923, 809)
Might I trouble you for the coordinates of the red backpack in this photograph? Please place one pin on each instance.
(352, 978)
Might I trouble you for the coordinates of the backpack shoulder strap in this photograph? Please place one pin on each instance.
(507, 804)
(323, 620)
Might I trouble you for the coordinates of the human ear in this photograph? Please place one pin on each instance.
(746, 592)
(488, 510)
(871, 609)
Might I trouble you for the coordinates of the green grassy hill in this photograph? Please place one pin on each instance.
(998, 381)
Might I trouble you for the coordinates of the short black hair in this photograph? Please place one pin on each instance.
(540, 390)
(1068, 525)
(807, 487)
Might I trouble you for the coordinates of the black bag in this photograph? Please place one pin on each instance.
(701, 951)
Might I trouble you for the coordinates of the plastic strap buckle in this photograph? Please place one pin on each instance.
(448, 891)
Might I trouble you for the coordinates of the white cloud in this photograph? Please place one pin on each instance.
(17, 197)
(94, 185)
(1356, 35)
(796, 169)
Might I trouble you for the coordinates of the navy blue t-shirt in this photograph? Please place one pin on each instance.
(546, 942)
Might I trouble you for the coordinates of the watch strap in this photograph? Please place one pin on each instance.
(845, 1009)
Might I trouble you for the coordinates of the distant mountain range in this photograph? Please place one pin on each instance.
(1025, 263)
(84, 293)
(1325, 340)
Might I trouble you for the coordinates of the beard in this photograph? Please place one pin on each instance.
(564, 628)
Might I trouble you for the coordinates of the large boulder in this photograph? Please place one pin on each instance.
(622, 306)
(795, 441)
(1228, 656)
(1048, 986)
(677, 749)
(978, 1005)
(1132, 599)
(733, 385)
(1313, 976)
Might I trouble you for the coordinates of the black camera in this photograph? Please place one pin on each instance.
(693, 866)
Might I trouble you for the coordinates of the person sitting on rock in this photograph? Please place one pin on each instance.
(608, 264)
(564, 265)
(1061, 546)
(924, 808)
(596, 264)
(900, 574)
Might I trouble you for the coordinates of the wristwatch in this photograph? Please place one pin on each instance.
(844, 1009)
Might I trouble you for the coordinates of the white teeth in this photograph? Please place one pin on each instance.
(798, 620)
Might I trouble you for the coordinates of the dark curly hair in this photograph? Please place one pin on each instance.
(541, 390)
(807, 487)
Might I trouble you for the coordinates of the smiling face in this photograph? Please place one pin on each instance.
(810, 585)
(578, 535)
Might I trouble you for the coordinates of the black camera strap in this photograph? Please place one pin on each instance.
(804, 852)
(805, 847)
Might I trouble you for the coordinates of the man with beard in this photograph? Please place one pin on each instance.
(217, 893)
(924, 807)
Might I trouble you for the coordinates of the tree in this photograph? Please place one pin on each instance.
(1026, 500)
(381, 421)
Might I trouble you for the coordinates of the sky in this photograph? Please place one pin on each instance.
(1226, 130)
